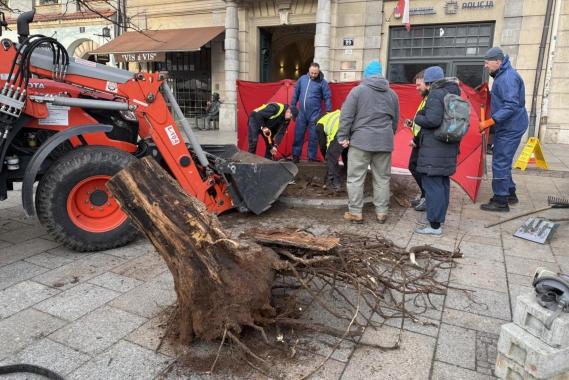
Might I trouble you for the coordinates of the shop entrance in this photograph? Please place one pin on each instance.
(285, 51)
(458, 48)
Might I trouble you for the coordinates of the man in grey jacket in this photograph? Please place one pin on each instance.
(367, 124)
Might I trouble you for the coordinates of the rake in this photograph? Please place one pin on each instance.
(553, 202)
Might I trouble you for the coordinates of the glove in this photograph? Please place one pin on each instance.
(486, 124)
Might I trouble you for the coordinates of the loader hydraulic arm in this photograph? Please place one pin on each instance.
(141, 93)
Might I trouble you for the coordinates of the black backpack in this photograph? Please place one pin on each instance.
(456, 120)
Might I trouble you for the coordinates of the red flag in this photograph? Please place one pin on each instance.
(404, 7)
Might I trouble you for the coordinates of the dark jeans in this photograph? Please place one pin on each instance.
(437, 192)
(253, 137)
(413, 169)
(332, 167)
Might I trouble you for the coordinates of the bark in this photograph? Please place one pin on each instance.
(290, 237)
(220, 283)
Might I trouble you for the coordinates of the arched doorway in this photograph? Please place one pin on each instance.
(286, 51)
(83, 47)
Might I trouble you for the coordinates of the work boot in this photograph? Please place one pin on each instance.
(415, 202)
(512, 199)
(354, 218)
(428, 230)
(497, 204)
(422, 205)
(295, 159)
(381, 217)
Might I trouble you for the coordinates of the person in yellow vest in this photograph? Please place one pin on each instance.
(270, 121)
(326, 128)
(419, 204)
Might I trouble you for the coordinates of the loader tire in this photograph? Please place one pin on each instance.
(74, 205)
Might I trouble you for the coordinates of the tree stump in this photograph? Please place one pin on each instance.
(220, 283)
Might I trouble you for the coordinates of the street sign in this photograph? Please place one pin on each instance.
(348, 41)
(140, 57)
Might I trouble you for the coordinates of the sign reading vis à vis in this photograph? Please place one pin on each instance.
(140, 57)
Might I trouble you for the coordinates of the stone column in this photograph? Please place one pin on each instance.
(228, 110)
(322, 37)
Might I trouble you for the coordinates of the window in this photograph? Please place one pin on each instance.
(189, 75)
(48, 2)
(450, 40)
(457, 48)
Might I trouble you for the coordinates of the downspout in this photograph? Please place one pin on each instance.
(539, 68)
(548, 72)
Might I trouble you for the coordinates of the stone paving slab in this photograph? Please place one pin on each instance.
(23, 234)
(116, 282)
(20, 251)
(124, 360)
(483, 274)
(457, 346)
(472, 321)
(526, 267)
(149, 335)
(143, 268)
(24, 328)
(77, 301)
(19, 271)
(411, 361)
(98, 330)
(123, 323)
(51, 355)
(480, 301)
(150, 299)
(444, 371)
(23, 295)
(79, 271)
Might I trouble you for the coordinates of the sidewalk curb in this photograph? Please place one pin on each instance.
(317, 202)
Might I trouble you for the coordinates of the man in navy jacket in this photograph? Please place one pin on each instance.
(309, 92)
(510, 120)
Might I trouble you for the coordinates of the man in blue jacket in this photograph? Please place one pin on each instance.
(309, 92)
(510, 120)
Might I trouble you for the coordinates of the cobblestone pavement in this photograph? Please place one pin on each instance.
(101, 315)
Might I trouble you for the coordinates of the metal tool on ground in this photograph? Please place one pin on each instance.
(552, 292)
(554, 202)
(538, 230)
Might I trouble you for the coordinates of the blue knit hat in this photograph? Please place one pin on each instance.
(373, 69)
(433, 74)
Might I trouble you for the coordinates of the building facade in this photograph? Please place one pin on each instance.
(268, 40)
(79, 28)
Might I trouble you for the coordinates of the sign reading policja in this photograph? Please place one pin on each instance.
(140, 57)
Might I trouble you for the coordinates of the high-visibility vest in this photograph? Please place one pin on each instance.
(281, 109)
(416, 128)
(331, 124)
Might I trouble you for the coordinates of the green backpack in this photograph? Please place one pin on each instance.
(456, 120)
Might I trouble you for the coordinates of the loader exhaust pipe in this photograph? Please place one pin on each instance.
(185, 125)
(23, 24)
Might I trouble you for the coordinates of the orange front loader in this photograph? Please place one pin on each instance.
(72, 124)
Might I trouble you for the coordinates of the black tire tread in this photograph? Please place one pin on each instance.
(89, 156)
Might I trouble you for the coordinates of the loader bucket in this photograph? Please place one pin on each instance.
(255, 183)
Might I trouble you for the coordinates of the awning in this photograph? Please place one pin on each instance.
(160, 41)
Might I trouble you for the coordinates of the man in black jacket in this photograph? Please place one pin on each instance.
(271, 121)
(437, 159)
